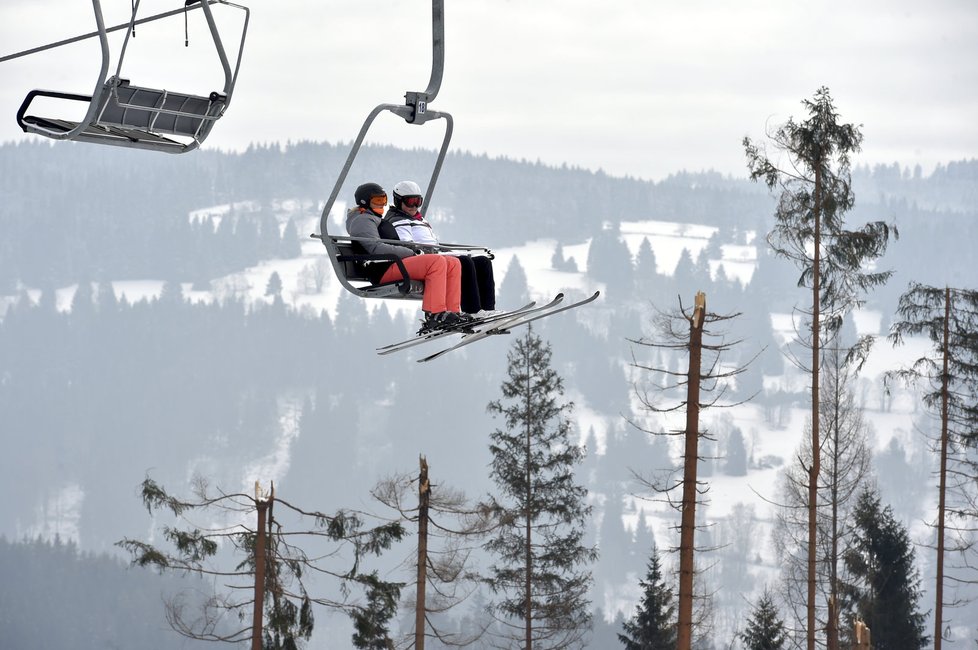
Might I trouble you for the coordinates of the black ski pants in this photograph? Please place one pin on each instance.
(478, 284)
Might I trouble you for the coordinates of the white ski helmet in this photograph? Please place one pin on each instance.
(405, 189)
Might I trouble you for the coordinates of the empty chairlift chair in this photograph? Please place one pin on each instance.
(125, 115)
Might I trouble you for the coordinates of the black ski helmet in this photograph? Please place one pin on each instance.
(366, 191)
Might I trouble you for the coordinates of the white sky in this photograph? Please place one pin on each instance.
(637, 87)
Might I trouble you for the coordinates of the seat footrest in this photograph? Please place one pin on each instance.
(106, 134)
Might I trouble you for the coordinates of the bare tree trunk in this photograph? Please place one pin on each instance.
(256, 621)
(939, 586)
(816, 449)
(832, 626)
(684, 637)
(863, 637)
(528, 548)
(424, 499)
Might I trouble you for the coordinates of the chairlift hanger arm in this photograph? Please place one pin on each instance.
(418, 101)
(414, 111)
(403, 112)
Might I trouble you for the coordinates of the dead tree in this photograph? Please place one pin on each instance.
(695, 380)
(273, 569)
(449, 530)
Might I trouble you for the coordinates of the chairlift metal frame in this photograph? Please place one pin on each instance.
(415, 110)
(121, 114)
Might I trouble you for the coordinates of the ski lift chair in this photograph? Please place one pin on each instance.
(346, 257)
(125, 115)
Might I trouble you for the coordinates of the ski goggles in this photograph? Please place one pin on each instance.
(412, 201)
(378, 201)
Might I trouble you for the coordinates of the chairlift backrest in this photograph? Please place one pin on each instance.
(122, 114)
(347, 260)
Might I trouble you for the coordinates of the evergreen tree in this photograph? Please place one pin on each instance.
(614, 540)
(684, 275)
(290, 246)
(735, 462)
(702, 274)
(608, 258)
(274, 286)
(540, 573)
(269, 240)
(558, 262)
(949, 318)
(513, 291)
(647, 278)
(653, 627)
(886, 585)
(610, 261)
(810, 230)
(765, 628)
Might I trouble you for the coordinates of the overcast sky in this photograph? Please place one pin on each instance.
(638, 87)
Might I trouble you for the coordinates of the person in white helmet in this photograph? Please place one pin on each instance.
(440, 274)
(478, 282)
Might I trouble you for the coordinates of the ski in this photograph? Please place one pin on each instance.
(505, 325)
(459, 329)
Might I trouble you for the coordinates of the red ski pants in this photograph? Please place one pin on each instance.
(442, 277)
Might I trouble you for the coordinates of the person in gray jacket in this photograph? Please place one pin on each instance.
(441, 274)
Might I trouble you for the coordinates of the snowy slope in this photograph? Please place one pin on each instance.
(765, 437)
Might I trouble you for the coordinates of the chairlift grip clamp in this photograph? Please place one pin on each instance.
(418, 102)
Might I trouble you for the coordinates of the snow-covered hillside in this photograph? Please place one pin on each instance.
(772, 435)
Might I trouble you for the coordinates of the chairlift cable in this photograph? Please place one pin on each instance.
(125, 25)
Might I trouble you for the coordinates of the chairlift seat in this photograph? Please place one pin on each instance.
(135, 116)
(348, 264)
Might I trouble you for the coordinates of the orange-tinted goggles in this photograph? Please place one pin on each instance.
(378, 201)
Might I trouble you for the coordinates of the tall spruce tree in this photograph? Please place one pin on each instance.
(949, 319)
(653, 627)
(885, 587)
(815, 195)
(765, 628)
(540, 571)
